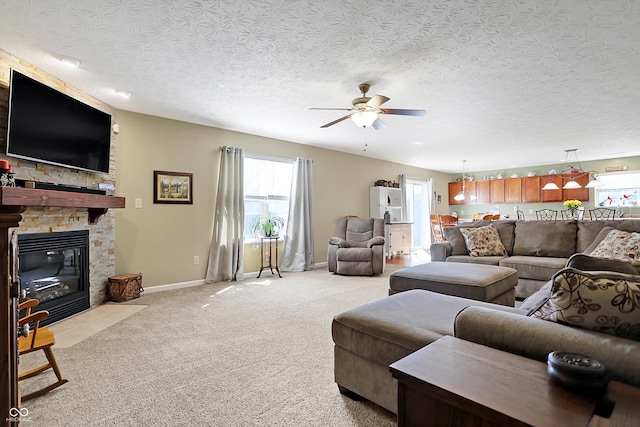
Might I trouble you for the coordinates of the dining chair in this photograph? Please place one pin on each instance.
(546, 215)
(491, 217)
(447, 221)
(519, 214)
(39, 338)
(566, 214)
(436, 231)
(599, 214)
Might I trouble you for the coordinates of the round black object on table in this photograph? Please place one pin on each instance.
(577, 372)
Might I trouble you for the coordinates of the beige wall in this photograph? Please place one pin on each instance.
(162, 240)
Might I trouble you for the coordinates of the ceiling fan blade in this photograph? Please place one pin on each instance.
(333, 109)
(377, 101)
(336, 121)
(403, 112)
(378, 124)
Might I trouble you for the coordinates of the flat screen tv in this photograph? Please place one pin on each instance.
(48, 126)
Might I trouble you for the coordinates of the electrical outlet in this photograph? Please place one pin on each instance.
(530, 211)
(138, 203)
(196, 260)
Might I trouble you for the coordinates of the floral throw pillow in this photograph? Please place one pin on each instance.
(620, 245)
(483, 241)
(604, 302)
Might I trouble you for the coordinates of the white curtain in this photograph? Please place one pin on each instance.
(402, 179)
(226, 258)
(298, 247)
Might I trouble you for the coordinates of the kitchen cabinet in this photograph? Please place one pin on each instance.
(483, 192)
(513, 190)
(455, 188)
(531, 189)
(551, 195)
(469, 193)
(496, 191)
(526, 189)
(581, 194)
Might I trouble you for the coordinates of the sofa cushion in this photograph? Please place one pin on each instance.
(585, 262)
(359, 230)
(487, 260)
(535, 339)
(532, 267)
(588, 230)
(620, 245)
(458, 245)
(354, 254)
(483, 241)
(606, 302)
(534, 301)
(545, 238)
(387, 330)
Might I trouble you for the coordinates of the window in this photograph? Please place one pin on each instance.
(618, 189)
(267, 183)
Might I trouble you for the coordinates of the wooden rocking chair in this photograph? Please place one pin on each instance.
(40, 338)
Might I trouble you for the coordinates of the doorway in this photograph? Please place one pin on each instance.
(418, 201)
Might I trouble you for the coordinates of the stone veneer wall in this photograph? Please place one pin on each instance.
(42, 219)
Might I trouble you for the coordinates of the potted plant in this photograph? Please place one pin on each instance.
(267, 226)
(573, 206)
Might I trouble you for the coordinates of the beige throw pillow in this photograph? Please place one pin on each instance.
(601, 301)
(620, 245)
(483, 241)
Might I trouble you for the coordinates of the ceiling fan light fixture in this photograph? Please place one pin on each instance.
(70, 61)
(124, 94)
(364, 119)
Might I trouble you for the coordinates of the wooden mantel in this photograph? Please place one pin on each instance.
(17, 199)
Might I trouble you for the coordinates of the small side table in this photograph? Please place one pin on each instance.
(452, 381)
(272, 242)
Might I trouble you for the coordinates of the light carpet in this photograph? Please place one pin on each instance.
(251, 353)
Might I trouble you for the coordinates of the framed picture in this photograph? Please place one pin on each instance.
(172, 187)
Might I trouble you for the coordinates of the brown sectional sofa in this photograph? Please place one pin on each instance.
(536, 249)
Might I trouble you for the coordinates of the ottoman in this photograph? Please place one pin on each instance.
(488, 283)
(367, 339)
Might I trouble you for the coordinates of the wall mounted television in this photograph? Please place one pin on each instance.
(48, 126)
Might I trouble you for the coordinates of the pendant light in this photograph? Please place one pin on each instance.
(460, 196)
(575, 171)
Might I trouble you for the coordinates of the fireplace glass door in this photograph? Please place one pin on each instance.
(54, 269)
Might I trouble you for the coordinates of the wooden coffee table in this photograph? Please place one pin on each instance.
(457, 382)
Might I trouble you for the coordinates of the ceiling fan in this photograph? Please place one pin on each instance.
(365, 110)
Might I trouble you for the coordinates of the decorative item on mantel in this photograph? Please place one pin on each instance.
(573, 206)
(7, 178)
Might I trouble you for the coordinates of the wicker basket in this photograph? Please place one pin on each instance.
(125, 287)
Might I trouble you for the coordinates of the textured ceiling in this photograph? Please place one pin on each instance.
(505, 83)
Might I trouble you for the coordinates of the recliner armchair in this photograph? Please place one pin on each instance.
(357, 249)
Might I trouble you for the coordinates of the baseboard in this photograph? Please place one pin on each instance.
(172, 286)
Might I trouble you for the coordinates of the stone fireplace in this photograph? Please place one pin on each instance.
(38, 218)
(54, 269)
